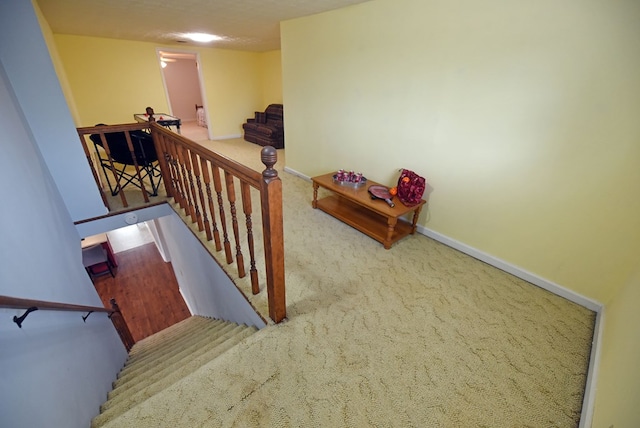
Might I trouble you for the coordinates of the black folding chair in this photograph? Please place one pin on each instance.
(145, 155)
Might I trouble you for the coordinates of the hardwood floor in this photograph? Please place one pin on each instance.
(146, 290)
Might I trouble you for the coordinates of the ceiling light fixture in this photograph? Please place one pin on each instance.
(202, 37)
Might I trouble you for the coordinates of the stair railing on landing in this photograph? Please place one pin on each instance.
(197, 178)
(107, 163)
(33, 305)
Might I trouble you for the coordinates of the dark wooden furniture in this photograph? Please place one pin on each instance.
(355, 207)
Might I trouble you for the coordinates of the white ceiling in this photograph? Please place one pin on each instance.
(250, 25)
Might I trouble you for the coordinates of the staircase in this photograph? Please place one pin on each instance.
(164, 358)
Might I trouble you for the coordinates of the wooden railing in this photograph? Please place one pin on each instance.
(33, 305)
(94, 162)
(202, 184)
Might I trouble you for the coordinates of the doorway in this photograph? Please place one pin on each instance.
(182, 78)
(144, 285)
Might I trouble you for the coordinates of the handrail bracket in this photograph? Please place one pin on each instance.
(19, 320)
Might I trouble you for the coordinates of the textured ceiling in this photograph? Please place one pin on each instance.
(250, 25)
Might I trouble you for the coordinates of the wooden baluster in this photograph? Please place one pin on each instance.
(112, 167)
(198, 199)
(272, 225)
(204, 166)
(163, 159)
(231, 197)
(223, 222)
(176, 179)
(246, 207)
(197, 165)
(186, 177)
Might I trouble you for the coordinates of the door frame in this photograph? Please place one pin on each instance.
(185, 54)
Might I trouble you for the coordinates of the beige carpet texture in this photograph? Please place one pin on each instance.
(420, 335)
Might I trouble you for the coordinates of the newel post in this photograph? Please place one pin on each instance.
(121, 326)
(272, 225)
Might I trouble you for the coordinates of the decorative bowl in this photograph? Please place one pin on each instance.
(352, 184)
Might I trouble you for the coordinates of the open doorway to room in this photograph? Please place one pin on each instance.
(143, 283)
(182, 79)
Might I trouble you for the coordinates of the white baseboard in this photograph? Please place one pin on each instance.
(186, 301)
(588, 400)
(498, 263)
(513, 270)
(590, 389)
(296, 173)
(225, 137)
(594, 360)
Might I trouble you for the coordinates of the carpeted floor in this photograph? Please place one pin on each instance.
(417, 336)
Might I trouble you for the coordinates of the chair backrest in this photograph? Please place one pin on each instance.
(142, 144)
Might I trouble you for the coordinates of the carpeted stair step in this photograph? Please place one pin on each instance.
(149, 359)
(188, 362)
(126, 401)
(155, 367)
(173, 345)
(166, 363)
(153, 344)
(176, 329)
(167, 336)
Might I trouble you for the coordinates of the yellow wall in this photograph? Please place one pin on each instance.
(112, 79)
(233, 88)
(522, 116)
(618, 385)
(271, 72)
(57, 63)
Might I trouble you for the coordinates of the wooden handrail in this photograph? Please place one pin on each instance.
(17, 303)
(242, 172)
(105, 129)
(31, 305)
(192, 176)
(198, 180)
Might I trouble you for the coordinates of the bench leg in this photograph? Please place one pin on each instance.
(414, 223)
(314, 204)
(391, 226)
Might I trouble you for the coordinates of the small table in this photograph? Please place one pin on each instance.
(162, 119)
(355, 207)
(103, 240)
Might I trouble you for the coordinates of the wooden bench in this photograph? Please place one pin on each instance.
(355, 207)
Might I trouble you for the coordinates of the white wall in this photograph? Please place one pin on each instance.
(27, 63)
(183, 86)
(206, 288)
(56, 370)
